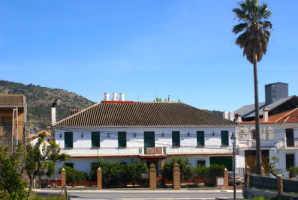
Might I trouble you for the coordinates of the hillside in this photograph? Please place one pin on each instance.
(40, 99)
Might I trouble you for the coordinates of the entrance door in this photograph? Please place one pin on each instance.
(149, 140)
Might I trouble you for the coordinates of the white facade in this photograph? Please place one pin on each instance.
(273, 139)
(83, 154)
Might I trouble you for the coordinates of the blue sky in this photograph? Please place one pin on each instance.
(144, 48)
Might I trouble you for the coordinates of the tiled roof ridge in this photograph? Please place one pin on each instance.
(142, 114)
(286, 115)
(83, 110)
(12, 100)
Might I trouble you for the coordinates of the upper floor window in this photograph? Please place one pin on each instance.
(268, 133)
(224, 138)
(68, 139)
(200, 138)
(122, 139)
(253, 133)
(175, 138)
(6, 126)
(243, 134)
(290, 137)
(95, 139)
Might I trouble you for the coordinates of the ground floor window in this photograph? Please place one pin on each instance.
(201, 162)
(222, 160)
(290, 160)
(69, 165)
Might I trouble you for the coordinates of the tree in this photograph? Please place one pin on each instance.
(272, 166)
(254, 36)
(40, 159)
(11, 184)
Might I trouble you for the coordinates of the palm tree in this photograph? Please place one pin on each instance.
(254, 29)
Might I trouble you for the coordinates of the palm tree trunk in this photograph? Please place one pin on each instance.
(258, 135)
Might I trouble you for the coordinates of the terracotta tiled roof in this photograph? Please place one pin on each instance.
(142, 114)
(290, 116)
(12, 100)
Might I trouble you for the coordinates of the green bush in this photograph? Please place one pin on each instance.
(186, 170)
(209, 174)
(115, 174)
(293, 171)
(74, 176)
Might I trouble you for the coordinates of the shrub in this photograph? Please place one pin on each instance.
(73, 175)
(119, 174)
(293, 171)
(186, 171)
(209, 174)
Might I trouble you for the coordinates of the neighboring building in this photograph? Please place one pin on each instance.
(276, 100)
(34, 136)
(279, 137)
(148, 131)
(13, 116)
(248, 112)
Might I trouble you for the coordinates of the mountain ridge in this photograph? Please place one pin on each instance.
(39, 101)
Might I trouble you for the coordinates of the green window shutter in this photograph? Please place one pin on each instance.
(200, 138)
(224, 138)
(95, 139)
(68, 139)
(175, 138)
(121, 139)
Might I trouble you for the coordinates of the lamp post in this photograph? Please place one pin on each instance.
(233, 137)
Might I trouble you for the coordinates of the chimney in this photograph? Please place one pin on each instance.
(169, 98)
(53, 110)
(53, 114)
(238, 117)
(114, 96)
(106, 96)
(226, 115)
(265, 114)
(121, 96)
(231, 116)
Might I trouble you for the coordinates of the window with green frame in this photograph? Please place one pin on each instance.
(176, 138)
(69, 165)
(200, 138)
(224, 138)
(95, 139)
(68, 139)
(122, 139)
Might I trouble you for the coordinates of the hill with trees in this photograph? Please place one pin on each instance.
(39, 101)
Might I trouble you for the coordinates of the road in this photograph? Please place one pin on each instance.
(148, 195)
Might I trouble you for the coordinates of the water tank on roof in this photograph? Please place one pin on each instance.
(275, 91)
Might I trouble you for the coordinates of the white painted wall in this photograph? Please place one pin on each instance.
(138, 141)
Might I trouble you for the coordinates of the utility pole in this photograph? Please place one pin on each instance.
(234, 162)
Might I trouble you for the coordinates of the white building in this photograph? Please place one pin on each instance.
(279, 137)
(150, 131)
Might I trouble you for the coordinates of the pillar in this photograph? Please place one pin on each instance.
(63, 178)
(247, 176)
(176, 177)
(263, 171)
(152, 176)
(280, 184)
(226, 178)
(99, 179)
